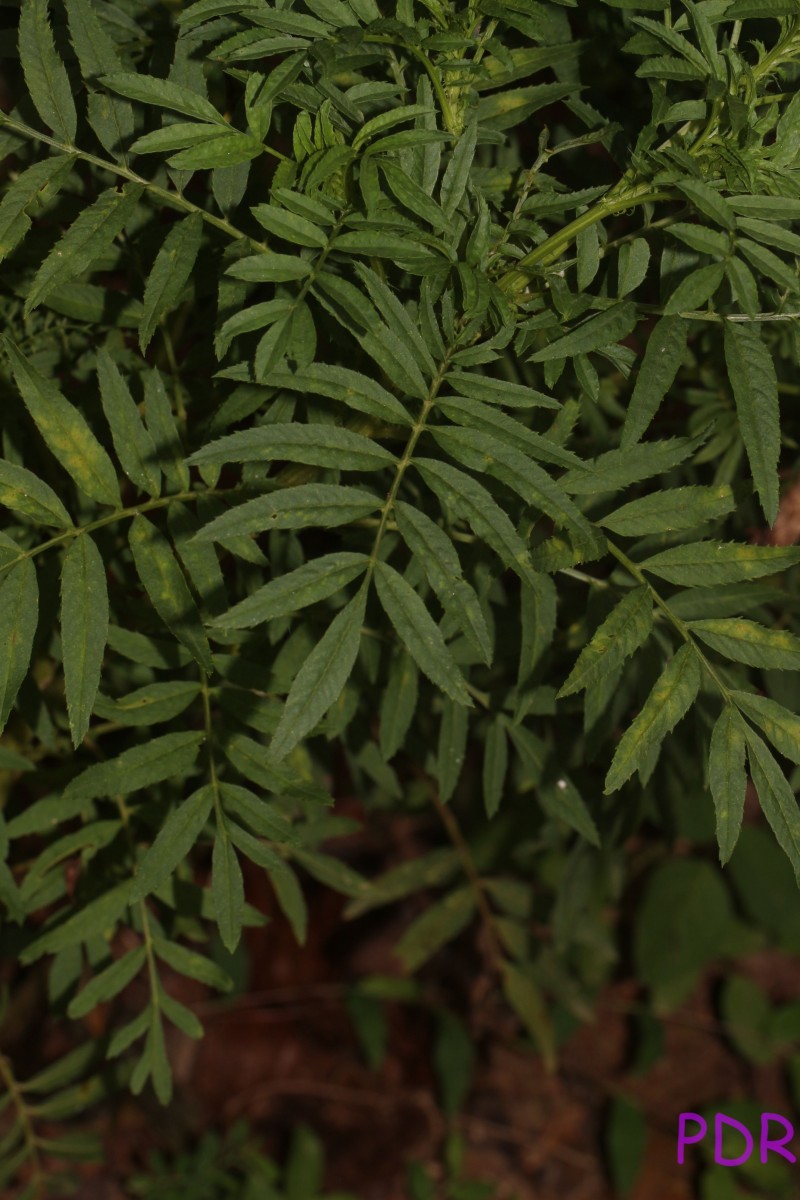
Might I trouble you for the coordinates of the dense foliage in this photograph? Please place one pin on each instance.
(387, 386)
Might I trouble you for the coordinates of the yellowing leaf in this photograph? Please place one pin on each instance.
(65, 431)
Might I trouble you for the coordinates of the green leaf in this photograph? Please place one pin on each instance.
(82, 925)
(675, 509)
(561, 800)
(398, 704)
(162, 93)
(709, 202)
(194, 965)
(527, 1001)
(270, 268)
(626, 1144)
(149, 705)
(227, 890)
(319, 682)
(673, 694)
(172, 268)
(509, 107)
(164, 432)
(707, 241)
(781, 726)
(219, 150)
(331, 872)
(41, 180)
(451, 749)
(387, 120)
(778, 801)
(19, 615)
(164, 757)
(108, 983)
(727, 778)
(454, 1058)
(665, 351)
(705, 564)
(317, 445)
(754, 383)
(180, 1016)
(175, 839)
(622, 633)
(746, 642)
(84, 629)
(495, 765)
(597, 333)
(65, 431)
(482, 452)
(349, 387)
(289, 226)
(693, 291)
(168, 591)
(438, 925)
(133, 444)
(414, 198)
(470, 499)
(89, 236)
(770, 233)
(743, 285)
(176, 135)
(618, 469)
(769, 264)
(632, 264)
(299, 507)
(155, 1056)
(440, 562)
(262, 818)
(289, 895)
(419, 633)
(680, 928)
(95, 49)
(315, 580)
(45, 75)
(23, 492)
(497, 391)
(482, 417)
(747, 1012)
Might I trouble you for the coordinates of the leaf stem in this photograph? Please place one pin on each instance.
(674, 620)
(173, 199)
(29, 1136)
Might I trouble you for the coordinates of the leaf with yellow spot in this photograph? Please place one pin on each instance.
(168, 591)
(727, 778)
(171, 270)
(748, 642)
(672, 696)
(19, 613)
(89, 236)
(65, 431)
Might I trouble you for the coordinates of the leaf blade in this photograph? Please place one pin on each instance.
(84, 629)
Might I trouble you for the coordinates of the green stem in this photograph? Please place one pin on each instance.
(174, 199)
(614, 202)
(402, 466)
(118, 515)
(23, 1116)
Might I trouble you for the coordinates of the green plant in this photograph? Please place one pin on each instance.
(371, 398)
